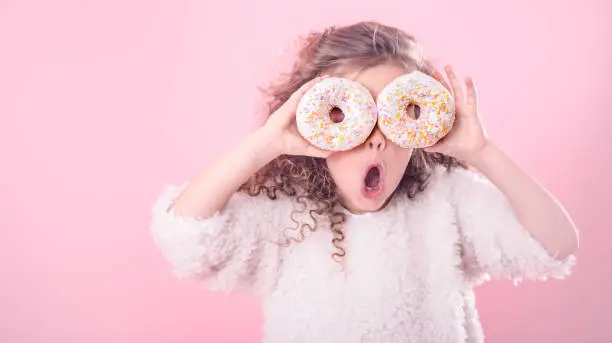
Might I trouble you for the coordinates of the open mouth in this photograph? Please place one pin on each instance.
(372, 183)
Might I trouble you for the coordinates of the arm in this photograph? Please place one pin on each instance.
(209, 231)
(225, 177)
(535, 208)
(278, 136)
(510, 226)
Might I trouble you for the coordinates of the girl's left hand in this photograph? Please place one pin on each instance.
(467, 137)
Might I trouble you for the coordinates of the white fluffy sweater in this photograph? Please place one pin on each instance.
(409, 269)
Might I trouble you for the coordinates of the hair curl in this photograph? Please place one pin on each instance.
(361, 45)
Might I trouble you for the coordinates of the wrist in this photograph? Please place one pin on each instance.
(265, 145)
(483, 156)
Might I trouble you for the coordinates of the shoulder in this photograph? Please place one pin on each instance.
(453, 185)
(261, 204)
(457, 179)
(445, 181)
(466, 188)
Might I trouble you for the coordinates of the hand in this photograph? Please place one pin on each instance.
(467, 138)
(281, 126)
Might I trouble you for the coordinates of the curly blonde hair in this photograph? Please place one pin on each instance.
(308, 179)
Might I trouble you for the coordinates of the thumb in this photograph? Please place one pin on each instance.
(432, 148)
(437, 147)
(316, 152)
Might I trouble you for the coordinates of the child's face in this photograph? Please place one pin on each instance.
(360, 188)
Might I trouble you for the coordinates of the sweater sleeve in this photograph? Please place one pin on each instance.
(234, 249)
(494, 242)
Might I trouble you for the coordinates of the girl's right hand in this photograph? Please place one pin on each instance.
(281, 125)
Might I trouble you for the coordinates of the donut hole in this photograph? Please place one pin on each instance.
(336, 115)
(413, 111)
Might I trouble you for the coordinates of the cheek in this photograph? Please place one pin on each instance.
(342, 167)
(398, 161)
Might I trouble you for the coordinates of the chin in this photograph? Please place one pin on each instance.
(364, 205)
(372, 205)
(373, 191)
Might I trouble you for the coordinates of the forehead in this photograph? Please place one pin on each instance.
(377, 77)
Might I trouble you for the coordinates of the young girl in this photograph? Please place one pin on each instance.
(376, 244)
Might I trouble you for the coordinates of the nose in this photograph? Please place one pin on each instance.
(376, 141)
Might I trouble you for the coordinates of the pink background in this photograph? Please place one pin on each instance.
(101, 102)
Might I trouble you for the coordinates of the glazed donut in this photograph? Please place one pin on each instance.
(436, 106)
(353, 99)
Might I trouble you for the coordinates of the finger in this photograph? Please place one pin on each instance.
(315, 152)
(440, 78)
(438, 147)
(433, 148)
(433, 72)
(455, 84)
(471, 95)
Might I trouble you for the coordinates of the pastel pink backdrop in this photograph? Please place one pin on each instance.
(102, 102)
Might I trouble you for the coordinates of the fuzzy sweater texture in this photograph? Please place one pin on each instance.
(408, 274)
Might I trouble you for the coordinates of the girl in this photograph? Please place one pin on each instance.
(376, 244)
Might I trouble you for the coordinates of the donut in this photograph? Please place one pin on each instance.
(436, 105)
(316, 126)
